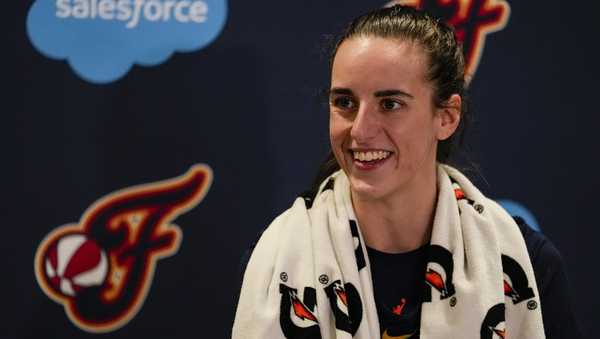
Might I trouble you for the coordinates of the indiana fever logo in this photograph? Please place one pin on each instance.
(101, 268)
(472, 20)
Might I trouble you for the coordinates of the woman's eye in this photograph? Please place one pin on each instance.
(343, 102)
(389, 104)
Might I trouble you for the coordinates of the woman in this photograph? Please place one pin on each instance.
(396, 244)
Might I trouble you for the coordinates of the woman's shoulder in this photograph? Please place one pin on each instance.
(539, 247)
(550, 271)
(545, 258)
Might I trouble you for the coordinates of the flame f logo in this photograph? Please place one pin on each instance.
(133, 227)
(472, 20)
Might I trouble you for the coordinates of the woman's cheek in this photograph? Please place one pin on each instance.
(337, 131)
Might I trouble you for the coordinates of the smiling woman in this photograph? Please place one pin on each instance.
(381, 102)
(394, 243)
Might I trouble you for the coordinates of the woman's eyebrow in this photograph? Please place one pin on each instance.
(392, 92)
(378, 94)
(340, 91)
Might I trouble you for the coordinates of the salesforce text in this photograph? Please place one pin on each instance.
(133, 10)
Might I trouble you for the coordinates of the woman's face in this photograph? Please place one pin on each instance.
(384, 127)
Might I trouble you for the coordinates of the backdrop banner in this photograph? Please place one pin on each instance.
(150, 141)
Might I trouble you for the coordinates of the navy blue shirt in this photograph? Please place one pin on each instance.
(398, 287)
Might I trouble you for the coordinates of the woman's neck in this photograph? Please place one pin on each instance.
(401, 222)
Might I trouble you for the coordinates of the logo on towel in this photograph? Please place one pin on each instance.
(101, 268)
(472, 20)
(493, 326)
(346, 306)
(297, 317)
(102, 39)
(516, 284)
(438, 275)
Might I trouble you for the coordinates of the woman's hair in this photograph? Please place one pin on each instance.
(446, 67)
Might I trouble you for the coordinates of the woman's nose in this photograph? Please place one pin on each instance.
(365, 125)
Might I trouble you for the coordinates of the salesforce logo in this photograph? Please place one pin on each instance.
(102, 39)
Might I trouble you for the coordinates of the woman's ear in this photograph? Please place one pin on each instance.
(449, 117)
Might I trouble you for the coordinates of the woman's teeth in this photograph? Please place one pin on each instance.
(371, 155)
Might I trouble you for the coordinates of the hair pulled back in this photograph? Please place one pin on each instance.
(446, 64)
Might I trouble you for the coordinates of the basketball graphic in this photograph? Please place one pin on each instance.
(101, 277)
(73, 263)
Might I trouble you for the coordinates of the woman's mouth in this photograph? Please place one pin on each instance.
(369, 160)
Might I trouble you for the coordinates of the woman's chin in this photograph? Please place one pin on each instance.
(363, 189)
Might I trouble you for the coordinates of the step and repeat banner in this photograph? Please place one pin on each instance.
(154, 139)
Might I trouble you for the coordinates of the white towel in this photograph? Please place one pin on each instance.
(309, 275)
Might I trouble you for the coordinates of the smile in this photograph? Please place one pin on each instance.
(368, 160)
(370, 155)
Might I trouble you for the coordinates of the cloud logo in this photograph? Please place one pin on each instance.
(102, 39)
(517, 209)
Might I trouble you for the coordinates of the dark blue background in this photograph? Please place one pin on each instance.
(248, 105)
